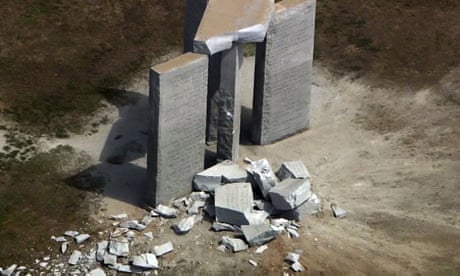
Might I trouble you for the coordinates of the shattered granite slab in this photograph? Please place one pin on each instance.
(184, 226)
(234, 244)
(81, 238)
(166, 211)
(223, 172)
(311, 207)
(133, 224)
(75, 257)
(258, 234)
(293, 169)
(263, 175)
(97, 272)
(290, 193)
(160, 250)
(221, 226)
(232, 201)
(119, 247)
(147, 260)
(101, 250)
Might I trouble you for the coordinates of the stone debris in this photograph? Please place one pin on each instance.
(252, 262)
(163, 249)
(64, 246)
(97, 272)
(255, 217)
(264, 205)
(185, 225)
(81, 238)
(221, 248)
(199, 196)
(59, 239)
(234, 244)
(119, 232)
(146, 260)
(126, 268)
(149, 235)
(166, 211)
(232, 201)
(146, 220)
(293, 169)
(292, 232)
(337, 211)
(297, 267)
(311, 207)
(110, 259)
(221, 226)
(119, 216)
(119, 247)
(133, 224)
(75, 257)
(71, 233)
(290, 193)
(217, 175)
(292, 257)
(195, 207)
(101, 250)
(261, 249)
(9, 271)
(263, 175)
(258, 234)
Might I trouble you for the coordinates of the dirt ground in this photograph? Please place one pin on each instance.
(391, 159)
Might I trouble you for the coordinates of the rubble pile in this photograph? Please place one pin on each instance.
(255, 204)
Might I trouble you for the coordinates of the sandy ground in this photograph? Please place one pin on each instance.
(390, 157)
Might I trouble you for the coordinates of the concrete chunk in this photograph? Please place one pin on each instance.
(263, 176)
(97, 272)
(9, 271)
(220, 226)
(101, 250)
(119, 216)
(293, 169)
(235, 245)
(163, 249)
(110, 259)
(166, 211)
(255, 217)
(71, 233)
(119, 247)
(338, 212)
(64, 246)
(133, 224)
(195, 207)
(213, 177)
(292, 257)
(258, 234)
(74, 258)
(232, 201)
(146, 261)
(311, 206)
(184, 226)
(290, 193)
(297, 267)
(81, 238)
(261, 249)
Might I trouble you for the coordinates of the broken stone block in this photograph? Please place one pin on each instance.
(290, 193)
(127, 268)
(81, 238)
(293, 169)
(311, 207)
(74, 258)
(263, 175)
(258, 234)
(184, 226)
(160, 250)
(59, 239)
(292, 257)
(119, 216)
(149, 235)
(213, 177)
(235, 245)
(221, 226)
(130, 235)
(101, 250)
(338, 212)
(195, 207)
(166, 211)
(232, 201)
(97, 272)
(9, 271)
(133, 224)
(146, 220)
(71, 233)
(119, 247)
(261, 249)
(146, 260)
(110, 259)
(199, 196)
(264, 205)
(292, 232)
(64, 246)
(255, 217)
(297, 267)
(252, 262)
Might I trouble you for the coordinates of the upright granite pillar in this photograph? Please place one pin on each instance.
(177, 126)
(228, 134)
(282, 81)
(194, 10)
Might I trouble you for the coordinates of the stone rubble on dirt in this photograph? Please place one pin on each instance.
(253, 205)
(337, 211)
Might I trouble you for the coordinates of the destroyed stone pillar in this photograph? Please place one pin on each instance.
(228, 134)
(177, 126)
(282, 81)
(212, 116)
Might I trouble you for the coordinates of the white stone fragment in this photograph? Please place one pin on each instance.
(43, 264)
(221, 248)
(185, 225)
(119, 216)
(130, 235)
(199, 196)
(311, 206)
(213, 177)
(64, 247)
(59, 239)
(293, 169)
(255, 217)
(119, 247)
(233, 244)
(154, 214)
(162, 249)
(280, 222)
(119, 232)
(9, 271)
(221, 226)
(71, 233)
(146, 220)
(101, 250)
(292, 233)
(149, 235)
(338, 212)
(81, 238)
(261, 249)
(146, 261)
(252, 262)
(110, 259)
(47, 258)
(292, 257)
(166, 211)
(21, 268)
(97, 272)
(297, 267)
(290, 193)
(232, 201)
(195, 207)
(264, 205)
(258, 234)
(127, 268)
(133, 224)
(75, 257)
(263, 176)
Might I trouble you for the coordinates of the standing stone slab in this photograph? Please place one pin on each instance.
(282, 82)
(228, 133)
(177, 126)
